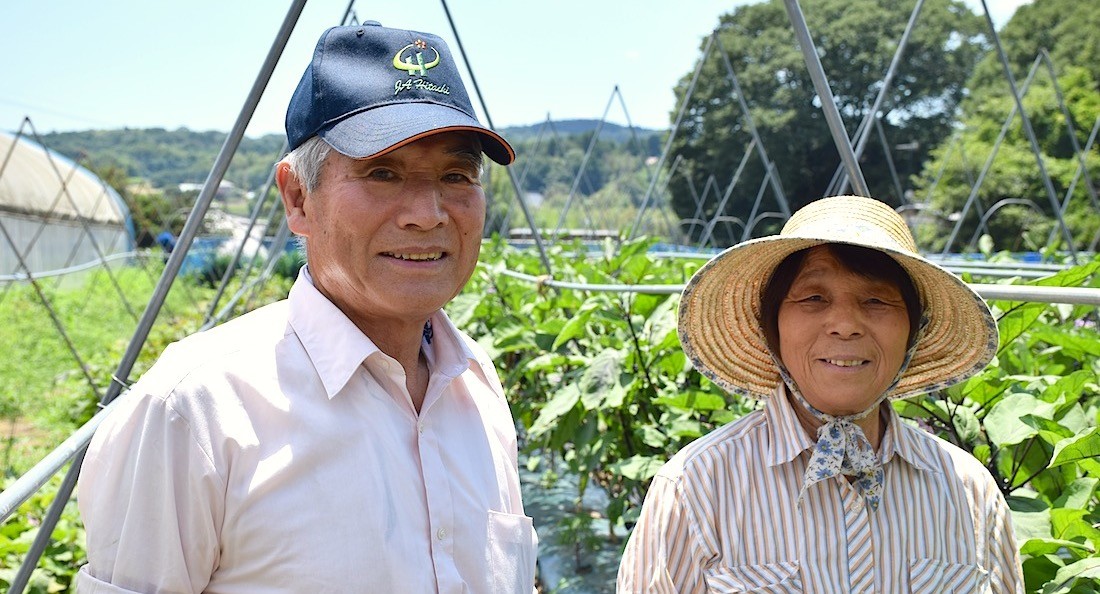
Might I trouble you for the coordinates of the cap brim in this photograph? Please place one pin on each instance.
(377, 131)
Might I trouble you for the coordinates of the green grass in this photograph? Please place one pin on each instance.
(49, 384)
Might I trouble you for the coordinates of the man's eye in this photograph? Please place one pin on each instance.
(380, 174)
(458, 178)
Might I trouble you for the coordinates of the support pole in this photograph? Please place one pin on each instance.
(1030, 133)
(171, 270)
(489, 120)
(825, 94)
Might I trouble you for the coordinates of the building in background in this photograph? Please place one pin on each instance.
(54, 213)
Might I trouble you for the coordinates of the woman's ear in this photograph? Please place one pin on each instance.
(294, 199)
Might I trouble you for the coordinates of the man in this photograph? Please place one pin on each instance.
(350, 438)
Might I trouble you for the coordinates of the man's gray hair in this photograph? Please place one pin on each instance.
(307, 160)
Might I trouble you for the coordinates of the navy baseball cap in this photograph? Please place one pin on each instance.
(372, 89)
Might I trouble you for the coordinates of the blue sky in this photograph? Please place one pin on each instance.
(76, 65)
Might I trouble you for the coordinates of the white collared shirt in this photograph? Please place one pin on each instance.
(281, 453)
(723, 516)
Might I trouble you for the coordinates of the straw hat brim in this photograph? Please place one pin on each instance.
(721, 331)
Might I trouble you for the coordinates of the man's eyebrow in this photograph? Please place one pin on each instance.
(466, 153)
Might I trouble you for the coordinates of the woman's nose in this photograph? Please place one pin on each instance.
(844, 320)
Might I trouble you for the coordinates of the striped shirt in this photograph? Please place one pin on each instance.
(724, 516)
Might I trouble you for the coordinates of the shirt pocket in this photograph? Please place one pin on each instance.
(932, 576)
(512, 548)
(766, 578)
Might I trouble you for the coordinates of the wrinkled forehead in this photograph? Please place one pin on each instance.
(868, 264)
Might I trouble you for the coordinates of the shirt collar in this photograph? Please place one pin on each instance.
(787, 439)
(901, 439)
(337, 347)
(448, 352)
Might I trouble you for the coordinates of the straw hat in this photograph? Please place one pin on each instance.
(720, 325)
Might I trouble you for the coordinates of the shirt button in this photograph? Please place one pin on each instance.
(420, 427)
(441, 534)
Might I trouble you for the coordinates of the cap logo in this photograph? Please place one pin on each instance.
(411, 59)
(404, 59)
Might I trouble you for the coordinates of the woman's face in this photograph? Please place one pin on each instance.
(842, 336)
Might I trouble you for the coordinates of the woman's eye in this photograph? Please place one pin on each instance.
(883, 301)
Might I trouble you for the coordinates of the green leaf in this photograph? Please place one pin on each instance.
(1003, 424)
(1039, 570)
(673, 364)
(1070, 524)
(1030, 517)
(1067, 576)
(577, 326)
(1015, 323)
(910, 408)
(461, 309)
(966, 423)
(601, 383)
(653, 437)
(686, 427)
(552, 326)
(1090, 466)
(985, 245)
(563, 401)
(511, 335)
(643, 304)
(638, 467)
(983, 388)
(1050, 546)
(545, 362)
(1075, 347)
(982, 452)
(1071, 385)
(629, 250)
(1078, 447)
(693, 400)
(1078, 494)
(660, 326)
(1049, 430)
(635, 268)
(1070, 277)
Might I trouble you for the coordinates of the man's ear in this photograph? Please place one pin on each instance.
(294, 199)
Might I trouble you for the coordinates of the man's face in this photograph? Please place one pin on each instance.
(395, 237)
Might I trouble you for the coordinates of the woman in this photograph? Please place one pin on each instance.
(825, 489)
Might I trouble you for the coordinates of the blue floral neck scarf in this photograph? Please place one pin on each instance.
(841, 447)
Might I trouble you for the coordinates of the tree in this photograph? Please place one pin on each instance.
(1069, 35)
(856, 40)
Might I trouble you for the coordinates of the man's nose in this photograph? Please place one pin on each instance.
(422, 205)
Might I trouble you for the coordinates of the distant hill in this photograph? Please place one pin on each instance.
(610, 131)
(167, 158)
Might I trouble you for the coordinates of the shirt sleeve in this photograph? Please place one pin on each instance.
(660, 556)
(1002, 555)
(151, 502)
